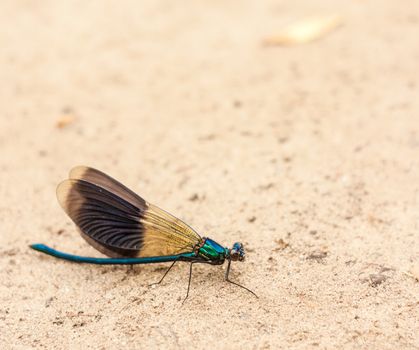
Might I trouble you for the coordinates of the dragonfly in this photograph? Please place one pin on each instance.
(129, 230)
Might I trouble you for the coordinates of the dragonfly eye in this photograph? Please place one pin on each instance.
(237, 252)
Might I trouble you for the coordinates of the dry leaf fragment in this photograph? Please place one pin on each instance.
(65, 121)
(306, 30)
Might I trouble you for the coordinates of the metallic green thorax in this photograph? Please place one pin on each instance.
(213, 252)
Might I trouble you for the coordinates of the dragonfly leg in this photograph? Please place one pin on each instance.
(167, 271)
(239, 285)
(189, 283)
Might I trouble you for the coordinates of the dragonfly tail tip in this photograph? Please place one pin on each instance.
(37, 246)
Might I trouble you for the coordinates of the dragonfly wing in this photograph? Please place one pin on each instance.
(118, 222)
(108, 183)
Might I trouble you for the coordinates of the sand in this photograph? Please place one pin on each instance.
(307, 154)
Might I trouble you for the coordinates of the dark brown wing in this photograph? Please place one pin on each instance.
(118, 222)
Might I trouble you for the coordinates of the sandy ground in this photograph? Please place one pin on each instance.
(307, 154)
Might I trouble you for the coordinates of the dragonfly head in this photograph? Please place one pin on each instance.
(237, 252)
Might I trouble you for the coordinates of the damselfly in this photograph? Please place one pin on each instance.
(129, 230)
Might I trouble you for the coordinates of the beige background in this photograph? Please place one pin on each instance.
(307, 154)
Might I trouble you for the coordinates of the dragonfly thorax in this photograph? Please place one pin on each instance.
(211, 251)
(214, 253)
